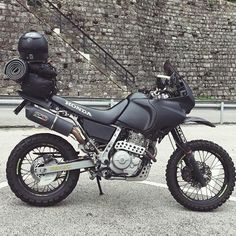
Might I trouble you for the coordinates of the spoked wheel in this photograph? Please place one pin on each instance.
(37, 151)
(217, 169)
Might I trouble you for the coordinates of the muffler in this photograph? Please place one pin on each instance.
(52, 121)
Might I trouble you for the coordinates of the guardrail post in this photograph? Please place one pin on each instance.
(221, 113)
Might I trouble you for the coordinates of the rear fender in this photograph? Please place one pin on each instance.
(198, 120)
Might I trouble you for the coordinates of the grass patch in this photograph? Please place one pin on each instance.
(205, 98)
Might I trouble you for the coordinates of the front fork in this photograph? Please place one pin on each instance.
(189, 159)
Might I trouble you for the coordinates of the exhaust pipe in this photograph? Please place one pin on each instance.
(53, 122)
(78, 135)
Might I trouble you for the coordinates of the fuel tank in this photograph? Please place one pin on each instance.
(150, 116)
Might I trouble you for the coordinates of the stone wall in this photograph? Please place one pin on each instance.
(198, 36)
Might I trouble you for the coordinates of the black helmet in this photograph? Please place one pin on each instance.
(33, 47)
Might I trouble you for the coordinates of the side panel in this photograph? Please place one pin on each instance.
(169, 114)
(100, 132)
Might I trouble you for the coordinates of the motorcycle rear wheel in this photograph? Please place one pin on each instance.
(217, 168)
(44, 190)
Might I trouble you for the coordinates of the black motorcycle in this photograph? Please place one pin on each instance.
(118, 143)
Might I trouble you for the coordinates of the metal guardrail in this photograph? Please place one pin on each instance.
(96, 103)
(220, 106)
(108, 102)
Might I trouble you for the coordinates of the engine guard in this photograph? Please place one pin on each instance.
(198, 120)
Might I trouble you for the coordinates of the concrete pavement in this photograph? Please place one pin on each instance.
(127, 208)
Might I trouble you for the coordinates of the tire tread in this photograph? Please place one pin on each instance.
(170, 170)
(18, 188)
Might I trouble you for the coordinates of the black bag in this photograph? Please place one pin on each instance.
(39, 87)
(40, 81)
(46, 70)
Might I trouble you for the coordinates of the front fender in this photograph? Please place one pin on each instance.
(198, 120)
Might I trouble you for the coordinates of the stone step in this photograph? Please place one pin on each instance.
(82, 44)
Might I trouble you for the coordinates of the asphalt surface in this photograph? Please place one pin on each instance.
(127, 208)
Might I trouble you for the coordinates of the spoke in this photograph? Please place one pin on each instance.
(201, 156)
(51, 187)
(212, 193)
(221, 168)
(27, 160)
(59, 181)
(214, 179)
(25, 166)
(37, 187)
(204, 155)
(207, 157)
(187, 190)
(218, 184)
(30, 157)
(192, 192)
(38, 151)
(197, 194)
(24, 170)
(62, 176)
(183, 185)
(202, 194)
(217, 164)
(206, 193)
(34, 183)
(219, 175)
(28, 175)
(212, 163)
(212, 189)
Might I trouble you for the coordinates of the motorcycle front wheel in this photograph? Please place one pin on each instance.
(41, 150)
(217, 169)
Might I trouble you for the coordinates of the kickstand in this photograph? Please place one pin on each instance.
(99, 185)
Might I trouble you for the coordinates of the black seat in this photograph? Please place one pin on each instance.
(107, 117)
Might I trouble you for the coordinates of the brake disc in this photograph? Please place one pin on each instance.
(188, 176)
(43, 179)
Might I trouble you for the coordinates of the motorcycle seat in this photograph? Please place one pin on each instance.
(106, 117)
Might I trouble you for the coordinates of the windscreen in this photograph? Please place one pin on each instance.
(169, 69)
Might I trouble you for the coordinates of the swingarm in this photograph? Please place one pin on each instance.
(66, 166)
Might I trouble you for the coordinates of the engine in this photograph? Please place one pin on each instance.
(128, 156)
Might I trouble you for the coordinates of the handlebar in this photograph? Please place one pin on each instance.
(170, 84)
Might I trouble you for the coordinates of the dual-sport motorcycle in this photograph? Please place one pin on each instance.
(118, 143)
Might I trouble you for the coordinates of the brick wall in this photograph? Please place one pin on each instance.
(198, 36)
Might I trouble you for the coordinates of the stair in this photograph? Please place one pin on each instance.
(71, 33)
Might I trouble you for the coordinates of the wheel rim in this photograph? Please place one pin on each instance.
(32, 181)
(213, 171)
